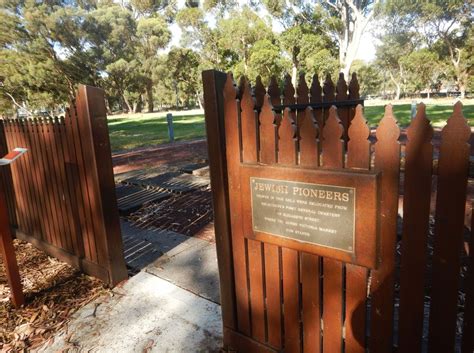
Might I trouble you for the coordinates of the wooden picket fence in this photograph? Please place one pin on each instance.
(61, 193)
(278, 298)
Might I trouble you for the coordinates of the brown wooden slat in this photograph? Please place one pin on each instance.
(353, 93)
(40, 182)
(7, 178)
(36, 189)
(290, 266)
(213, 104)
(54, 181)
(24, 170)
(450, 202)
(249, 132)
(358, 157)
(310, 269)
(89, 241)
(333, 157)
(416, 213)
(20, 189)
(288, 91)
(287, 153)
(291, 301)
(7, 252)
(274, 91)
(74, 171)
(268, 148)
(387, 160)
(311, 302)
(343, 113)
(468, 325)
(238, 242)
(241, 343)
(309, 140)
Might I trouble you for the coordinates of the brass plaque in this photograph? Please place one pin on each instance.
(311, 213)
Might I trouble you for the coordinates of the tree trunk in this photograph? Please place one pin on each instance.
(149, 95)
(127, 104)
(294, 75)
(199, 100)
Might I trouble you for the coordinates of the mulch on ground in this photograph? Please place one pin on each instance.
(53, 290)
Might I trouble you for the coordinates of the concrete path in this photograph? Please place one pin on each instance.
(148, 314)
(171, 305)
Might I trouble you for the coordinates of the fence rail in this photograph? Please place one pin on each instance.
(61, 195)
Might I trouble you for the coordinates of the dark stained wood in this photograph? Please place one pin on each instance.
(315, 90)
(416, 211)
(273, 293)
(259, 92)
(291, 300)
(468, 328)
(353, 93)
(249, 133)
(256, 289)
(311, 302)
(268, 143)
(333, 157)
(387, 160)
(287, 153)
(238, 241)
(288, 91)
(248, 124)
(450, 202)
(329, 91)
(302, 91)
(237, 342)
(274, 91)
(309, 140)
(8, 253)
(358, 157)
(273, 290)
(343, 112)
(213, 107)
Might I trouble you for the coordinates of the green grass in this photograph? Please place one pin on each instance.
(128, 131)
(141, 130)
(437, 113)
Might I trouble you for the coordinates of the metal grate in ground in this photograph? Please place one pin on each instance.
(185, 214)
(130, 198)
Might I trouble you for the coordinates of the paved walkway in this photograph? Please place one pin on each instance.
(171, 305)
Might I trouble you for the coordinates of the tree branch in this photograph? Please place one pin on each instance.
(16, 103)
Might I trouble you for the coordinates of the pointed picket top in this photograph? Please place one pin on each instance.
(354, 87)
(309, 139)
(341, 88)
(359, 130)
(288, 91)
(328, 89)
(268, 124)
(457, 127)
(287, 138)
(420, 129)
(332, 143)
(333, 128)
(315, 90)
(259, 92)
(358, 147)
(230, 89)
(388, 129)
(274, 91)
(302, 90)
(247, 101)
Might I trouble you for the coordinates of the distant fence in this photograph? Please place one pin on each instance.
(281, 295)
(61, 194)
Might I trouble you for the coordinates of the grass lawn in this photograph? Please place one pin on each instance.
(129, 131)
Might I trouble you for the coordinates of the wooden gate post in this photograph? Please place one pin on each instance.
(214, 82)
(8, 252)
(97, 155)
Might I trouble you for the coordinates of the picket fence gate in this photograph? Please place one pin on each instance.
(280, 296)
(61, 193)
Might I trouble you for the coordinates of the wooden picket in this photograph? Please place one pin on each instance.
(289, 300)
(53, 184)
